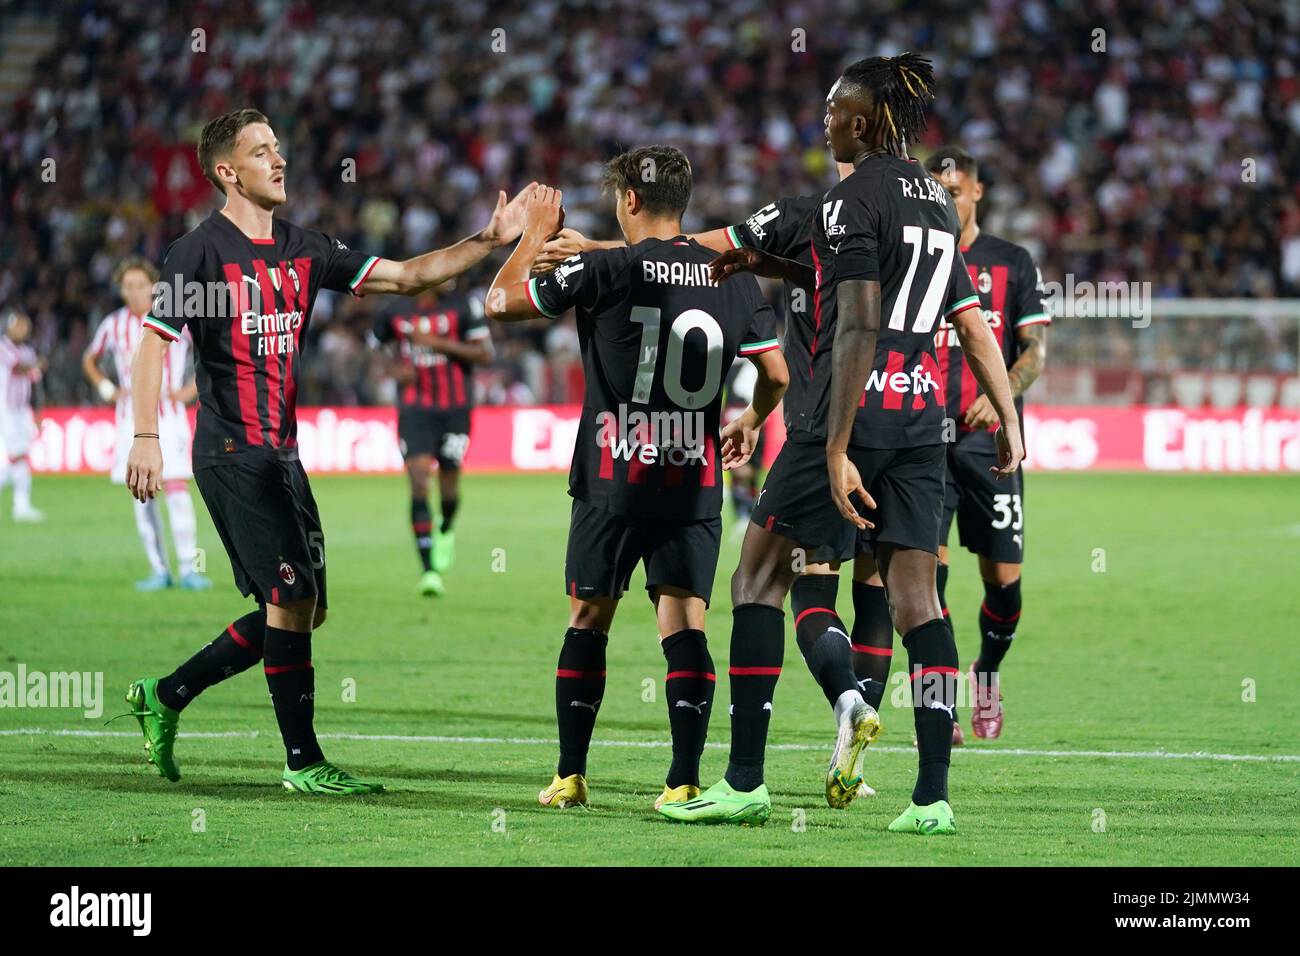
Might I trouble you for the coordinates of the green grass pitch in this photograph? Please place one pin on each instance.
(1153, 654)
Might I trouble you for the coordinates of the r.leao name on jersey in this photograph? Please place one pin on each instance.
(923, 187)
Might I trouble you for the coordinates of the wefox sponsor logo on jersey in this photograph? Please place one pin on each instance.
(670, 437)
(77, 909)
(64, 689)
(920, 381)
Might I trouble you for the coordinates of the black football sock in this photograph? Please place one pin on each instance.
(941, 585)
(237, 649)
(821, 635)
(873, 641)
(579, 687)
(932, 669)
(757, 651)
(292, 682)
(422, 528)
(449, 506)
(999, 615)
(689, 688)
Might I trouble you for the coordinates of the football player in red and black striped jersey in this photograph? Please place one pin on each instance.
(990, 513)
(244, 283)
(435, 346)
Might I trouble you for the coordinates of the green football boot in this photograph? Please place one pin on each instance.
(857, 729)
(324, 777)
(444, 551)
(431, 584)
(158, 723)
(935, 819)
(721, 804)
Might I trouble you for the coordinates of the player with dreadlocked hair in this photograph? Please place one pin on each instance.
(869, 426)
(897, 92)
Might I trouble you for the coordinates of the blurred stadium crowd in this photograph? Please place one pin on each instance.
(1122, 165)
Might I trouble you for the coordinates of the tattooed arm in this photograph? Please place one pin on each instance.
(1028, 366)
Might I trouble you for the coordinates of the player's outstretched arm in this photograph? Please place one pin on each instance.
(740, 435)
(144, 463)
(566, 244)
(760, 263)
(508, 299)
(853, 352)
(986, 362)
(413, 276)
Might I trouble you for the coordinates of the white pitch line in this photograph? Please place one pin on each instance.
(717, 745)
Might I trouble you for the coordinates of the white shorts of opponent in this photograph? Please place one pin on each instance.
(18, 430)
(173, 436)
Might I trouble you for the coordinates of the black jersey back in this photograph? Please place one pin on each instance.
(247, 303)
(784, 228)
(889, 222)
(437, 380)
(657, 339)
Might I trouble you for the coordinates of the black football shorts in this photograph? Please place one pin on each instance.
(990, 513)
(906, 483)
(605, 547)
(443, 433)
(266, 516)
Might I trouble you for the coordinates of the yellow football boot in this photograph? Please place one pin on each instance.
(570, 791)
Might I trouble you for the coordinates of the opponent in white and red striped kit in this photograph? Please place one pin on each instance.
(118, 336)
(19, 370)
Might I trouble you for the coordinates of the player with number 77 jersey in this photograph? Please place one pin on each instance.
(657, 335)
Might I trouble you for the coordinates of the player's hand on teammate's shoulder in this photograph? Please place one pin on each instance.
(144, 466)
(743, 259)
(507, 222)
(565, 244)
(1011, 450)
(846, 482)
(544, 212)
(981, 415)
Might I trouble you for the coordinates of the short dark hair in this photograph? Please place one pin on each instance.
(135, 262)
(218, 139)
(947, 158)
(901, 88)
(660, 175)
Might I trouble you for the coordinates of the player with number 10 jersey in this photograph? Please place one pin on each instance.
(657, 336)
